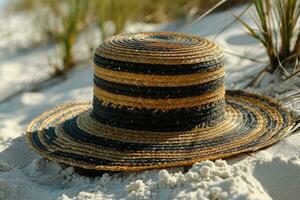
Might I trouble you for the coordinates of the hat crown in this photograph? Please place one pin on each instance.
(160, 48)
(158, 81)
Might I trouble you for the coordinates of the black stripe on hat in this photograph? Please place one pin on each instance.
(70, 127)
(158, 92)
(156, 69)
(149, 120)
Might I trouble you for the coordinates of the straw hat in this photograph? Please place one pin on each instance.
(159, 101)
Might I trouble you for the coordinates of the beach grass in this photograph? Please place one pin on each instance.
(276, 28)
(119, 12)
(62, 21)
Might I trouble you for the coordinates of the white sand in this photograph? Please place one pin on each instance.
(273, 173)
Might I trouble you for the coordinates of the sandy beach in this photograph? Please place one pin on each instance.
(272, 173)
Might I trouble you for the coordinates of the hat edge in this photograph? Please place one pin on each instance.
(163, 165)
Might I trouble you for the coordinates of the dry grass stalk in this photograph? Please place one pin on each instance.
(71, 15)
(276, 28)
(116, 11)
(61, 21)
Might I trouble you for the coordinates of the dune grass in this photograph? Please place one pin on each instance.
(276, 28)
(62, 21)
(72, 23)
(119, 12)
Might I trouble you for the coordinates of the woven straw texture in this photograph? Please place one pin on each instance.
(159, 101)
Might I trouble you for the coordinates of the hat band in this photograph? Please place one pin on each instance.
(158, 69)
(207, 115)
(158, 92)
(117, 100)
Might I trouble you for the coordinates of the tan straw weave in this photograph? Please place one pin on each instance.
(159, 101)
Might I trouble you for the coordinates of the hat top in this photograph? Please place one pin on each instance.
(159, 48)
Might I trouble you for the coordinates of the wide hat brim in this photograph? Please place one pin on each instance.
(68, 134)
